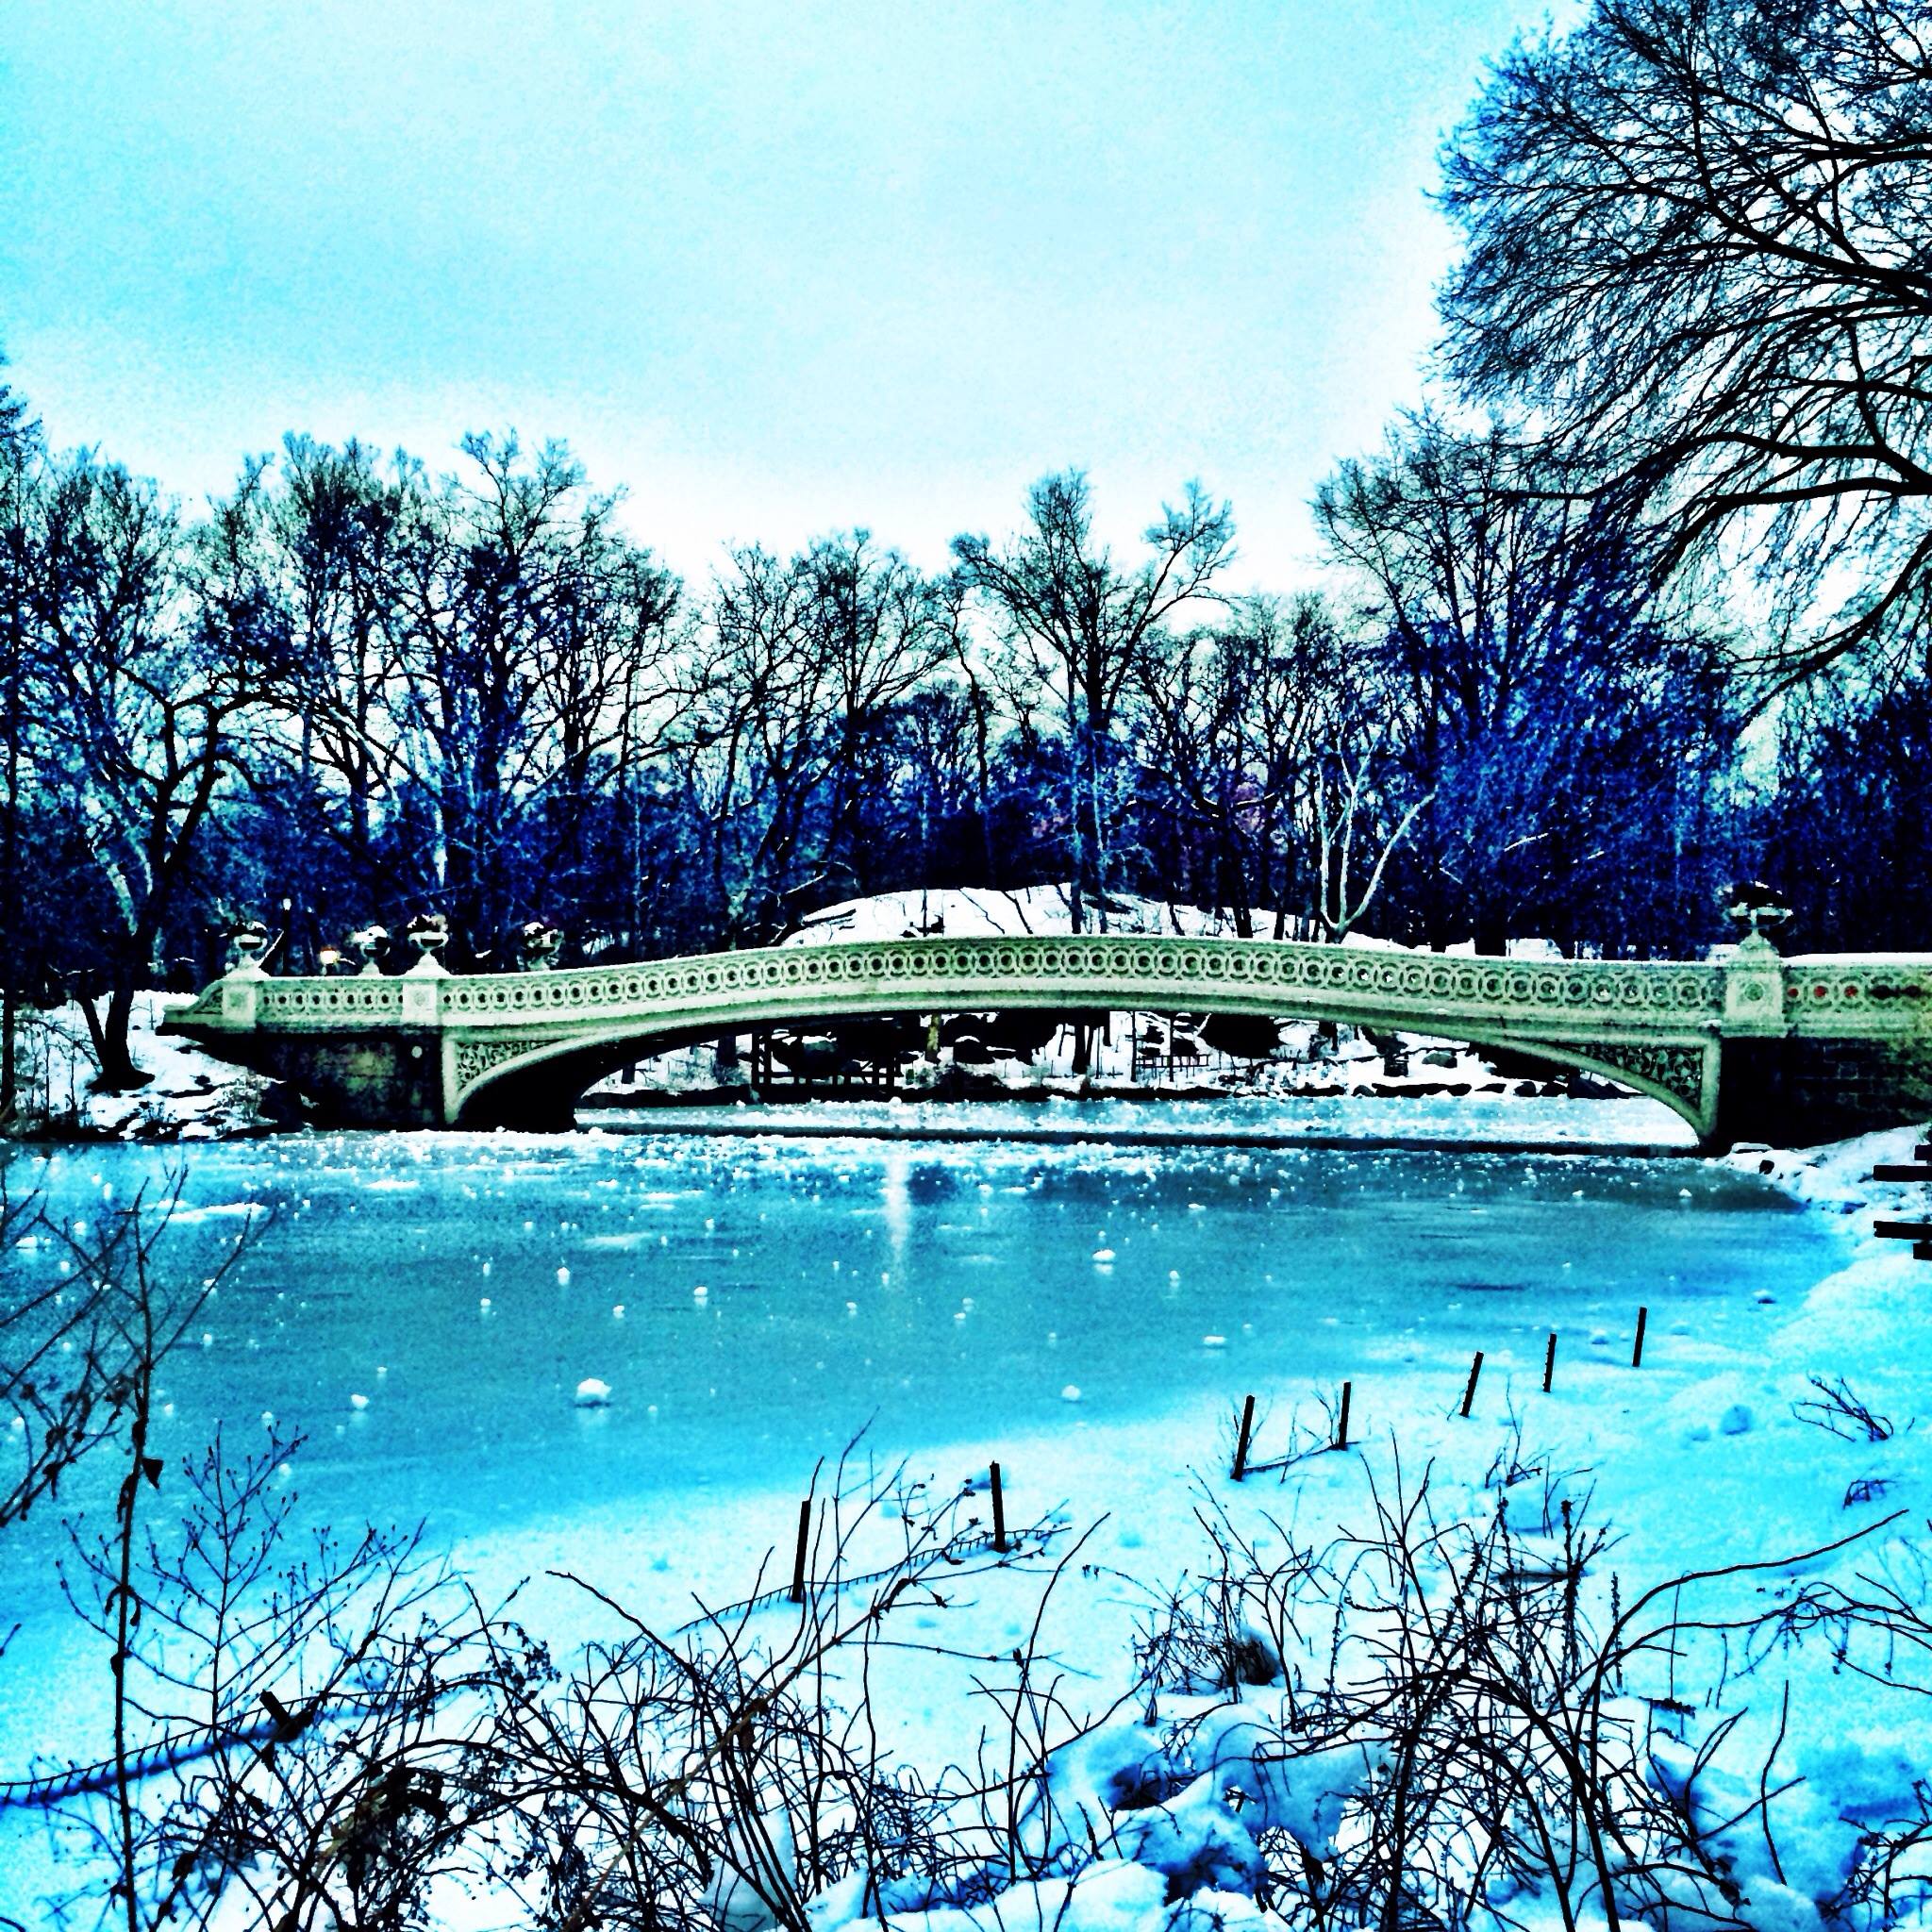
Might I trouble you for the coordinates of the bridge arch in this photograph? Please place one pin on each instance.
(541, 1087)
(536, 1044)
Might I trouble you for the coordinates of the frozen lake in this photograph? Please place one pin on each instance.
(1476, 1121)
(752, 1302)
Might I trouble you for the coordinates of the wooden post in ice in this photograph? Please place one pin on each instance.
(1342, 1423)
(1475, 1368)
(1240, 1447)
(1550, 1362)
(798, 1560)
(999, 1510)
(1637, 1352)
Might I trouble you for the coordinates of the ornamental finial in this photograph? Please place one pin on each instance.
(1754, 905)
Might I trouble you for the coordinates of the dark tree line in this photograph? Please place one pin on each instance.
(1653, 619)
(352, 689)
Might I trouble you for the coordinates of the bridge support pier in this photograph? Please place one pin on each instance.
(1812, 1051)
(390, 1078)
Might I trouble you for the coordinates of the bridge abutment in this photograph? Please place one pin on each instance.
(391, 1077)
(1798, 1091)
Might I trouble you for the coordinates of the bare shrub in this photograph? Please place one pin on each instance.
(76, 1340)
(1440, 1716)
(1462, 1723)
(1838, 1412)
(734, 1771)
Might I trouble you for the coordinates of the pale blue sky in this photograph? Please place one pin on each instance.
(778, 268)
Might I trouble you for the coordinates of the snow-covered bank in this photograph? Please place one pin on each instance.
(189, 1095)
(1194, 1808)
(1187, 1805)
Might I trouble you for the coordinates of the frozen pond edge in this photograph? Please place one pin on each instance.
(1089, 1134)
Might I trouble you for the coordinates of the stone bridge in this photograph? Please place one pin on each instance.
(1748, 1046)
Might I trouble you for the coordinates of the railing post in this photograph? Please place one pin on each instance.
(242, 996)
(1753, 990)
(422, 1000)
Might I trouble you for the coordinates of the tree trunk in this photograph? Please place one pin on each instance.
(1233, 890)
(118, 1072)
(10, 1068)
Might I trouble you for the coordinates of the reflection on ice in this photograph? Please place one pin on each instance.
(896, 1198)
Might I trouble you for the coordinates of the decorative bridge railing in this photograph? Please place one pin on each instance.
(1657, 1025)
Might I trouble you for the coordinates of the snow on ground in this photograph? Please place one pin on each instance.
(988, 913)
(190, 1097)
(1709, 1455)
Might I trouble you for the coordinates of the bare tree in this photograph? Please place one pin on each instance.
(786, 690)
(532, 632)
(1233, 720)
(1353, 832)
(21, 473)
(883, 630)
(329, 532)
(152, 655)
(1696, 244)
(1083, 627)
(1523, 679)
